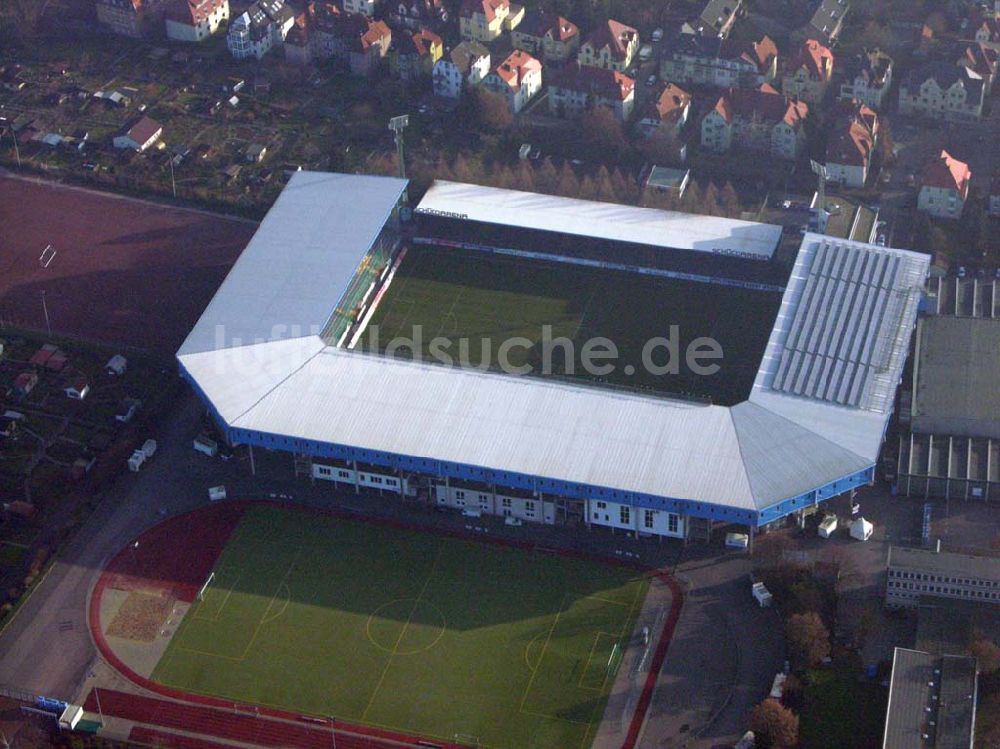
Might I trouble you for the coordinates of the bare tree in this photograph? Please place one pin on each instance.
(808, 638)
(774, 725)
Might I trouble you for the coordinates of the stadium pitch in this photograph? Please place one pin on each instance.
(408, 631)
(486, 299)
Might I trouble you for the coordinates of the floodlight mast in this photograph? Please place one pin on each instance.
(398, 125)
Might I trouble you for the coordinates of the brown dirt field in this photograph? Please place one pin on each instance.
(126, 272)
(141, 616)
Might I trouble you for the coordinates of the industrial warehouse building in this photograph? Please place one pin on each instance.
(274, 359)
(950, 446)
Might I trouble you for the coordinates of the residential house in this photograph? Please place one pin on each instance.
(986, 30)
(418, 14)
(263, 26)
(760, 120)
(826, 22)
(256, 152)
(576, 89)
(77, 387)
(667, 114)
(466, 65)
(942, 91)
(139, 134)
(993, 208)
(716, 18)
(807, 75)
(364, 7)
(24, 383)
(868, 78)
(547, 36)
(944, 187)
(851, 146)
(486, 20)
(612, 45)
(518, 78)
(325, 32)
(129, 17)
(725, 63)
(195, 20)
(364, 42)
(414, 53)
(982, 60)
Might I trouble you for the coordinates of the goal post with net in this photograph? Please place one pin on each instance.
(204, 587)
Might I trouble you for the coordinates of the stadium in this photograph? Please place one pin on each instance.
(286, 356)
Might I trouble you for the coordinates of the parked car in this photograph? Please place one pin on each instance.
(657, 35)
(651, 81)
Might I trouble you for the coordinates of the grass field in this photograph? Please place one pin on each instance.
(407, 631)
(486, 299)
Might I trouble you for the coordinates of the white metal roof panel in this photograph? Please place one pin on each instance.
(288, 280)
(519, 424)
(647, 226)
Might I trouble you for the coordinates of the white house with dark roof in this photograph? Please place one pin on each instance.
(760, 120)
(943, 91)
(139, 135)
(868, 78)
(263, 26)
(851, 146)
(195, 20)
(576, 89)
(612, 45)
(465, 66)
(944, 187)
(724, 63)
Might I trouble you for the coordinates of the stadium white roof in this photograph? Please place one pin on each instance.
(782, 442)
(289, 278)
(620, 223)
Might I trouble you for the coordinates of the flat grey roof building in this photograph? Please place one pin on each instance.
(932, 701)
(955, 383)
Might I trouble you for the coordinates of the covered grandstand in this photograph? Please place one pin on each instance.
(546, 450)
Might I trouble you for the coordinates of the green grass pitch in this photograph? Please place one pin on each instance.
(460, 294)
(407, 631)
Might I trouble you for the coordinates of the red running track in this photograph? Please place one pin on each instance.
(245, 727)
(153, 559)
(154, 737)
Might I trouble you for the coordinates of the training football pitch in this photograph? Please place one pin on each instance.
(408, 631)
(485, 299)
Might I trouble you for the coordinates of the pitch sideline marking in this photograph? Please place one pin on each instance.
(402, 632)
(590, 656)
(541, 656)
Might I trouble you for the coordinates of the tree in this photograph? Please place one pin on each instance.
(774, 725)
(547, 177)
(524, 176)
(568, 185)
(492, 111)
(588, 189)
(605, 187)
(729, 199)
(662, 148)
(601, 134)
(710, 201)
(692, 198)
(808, 638)
(986, 652)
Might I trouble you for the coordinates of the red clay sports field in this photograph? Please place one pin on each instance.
(124, 272)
